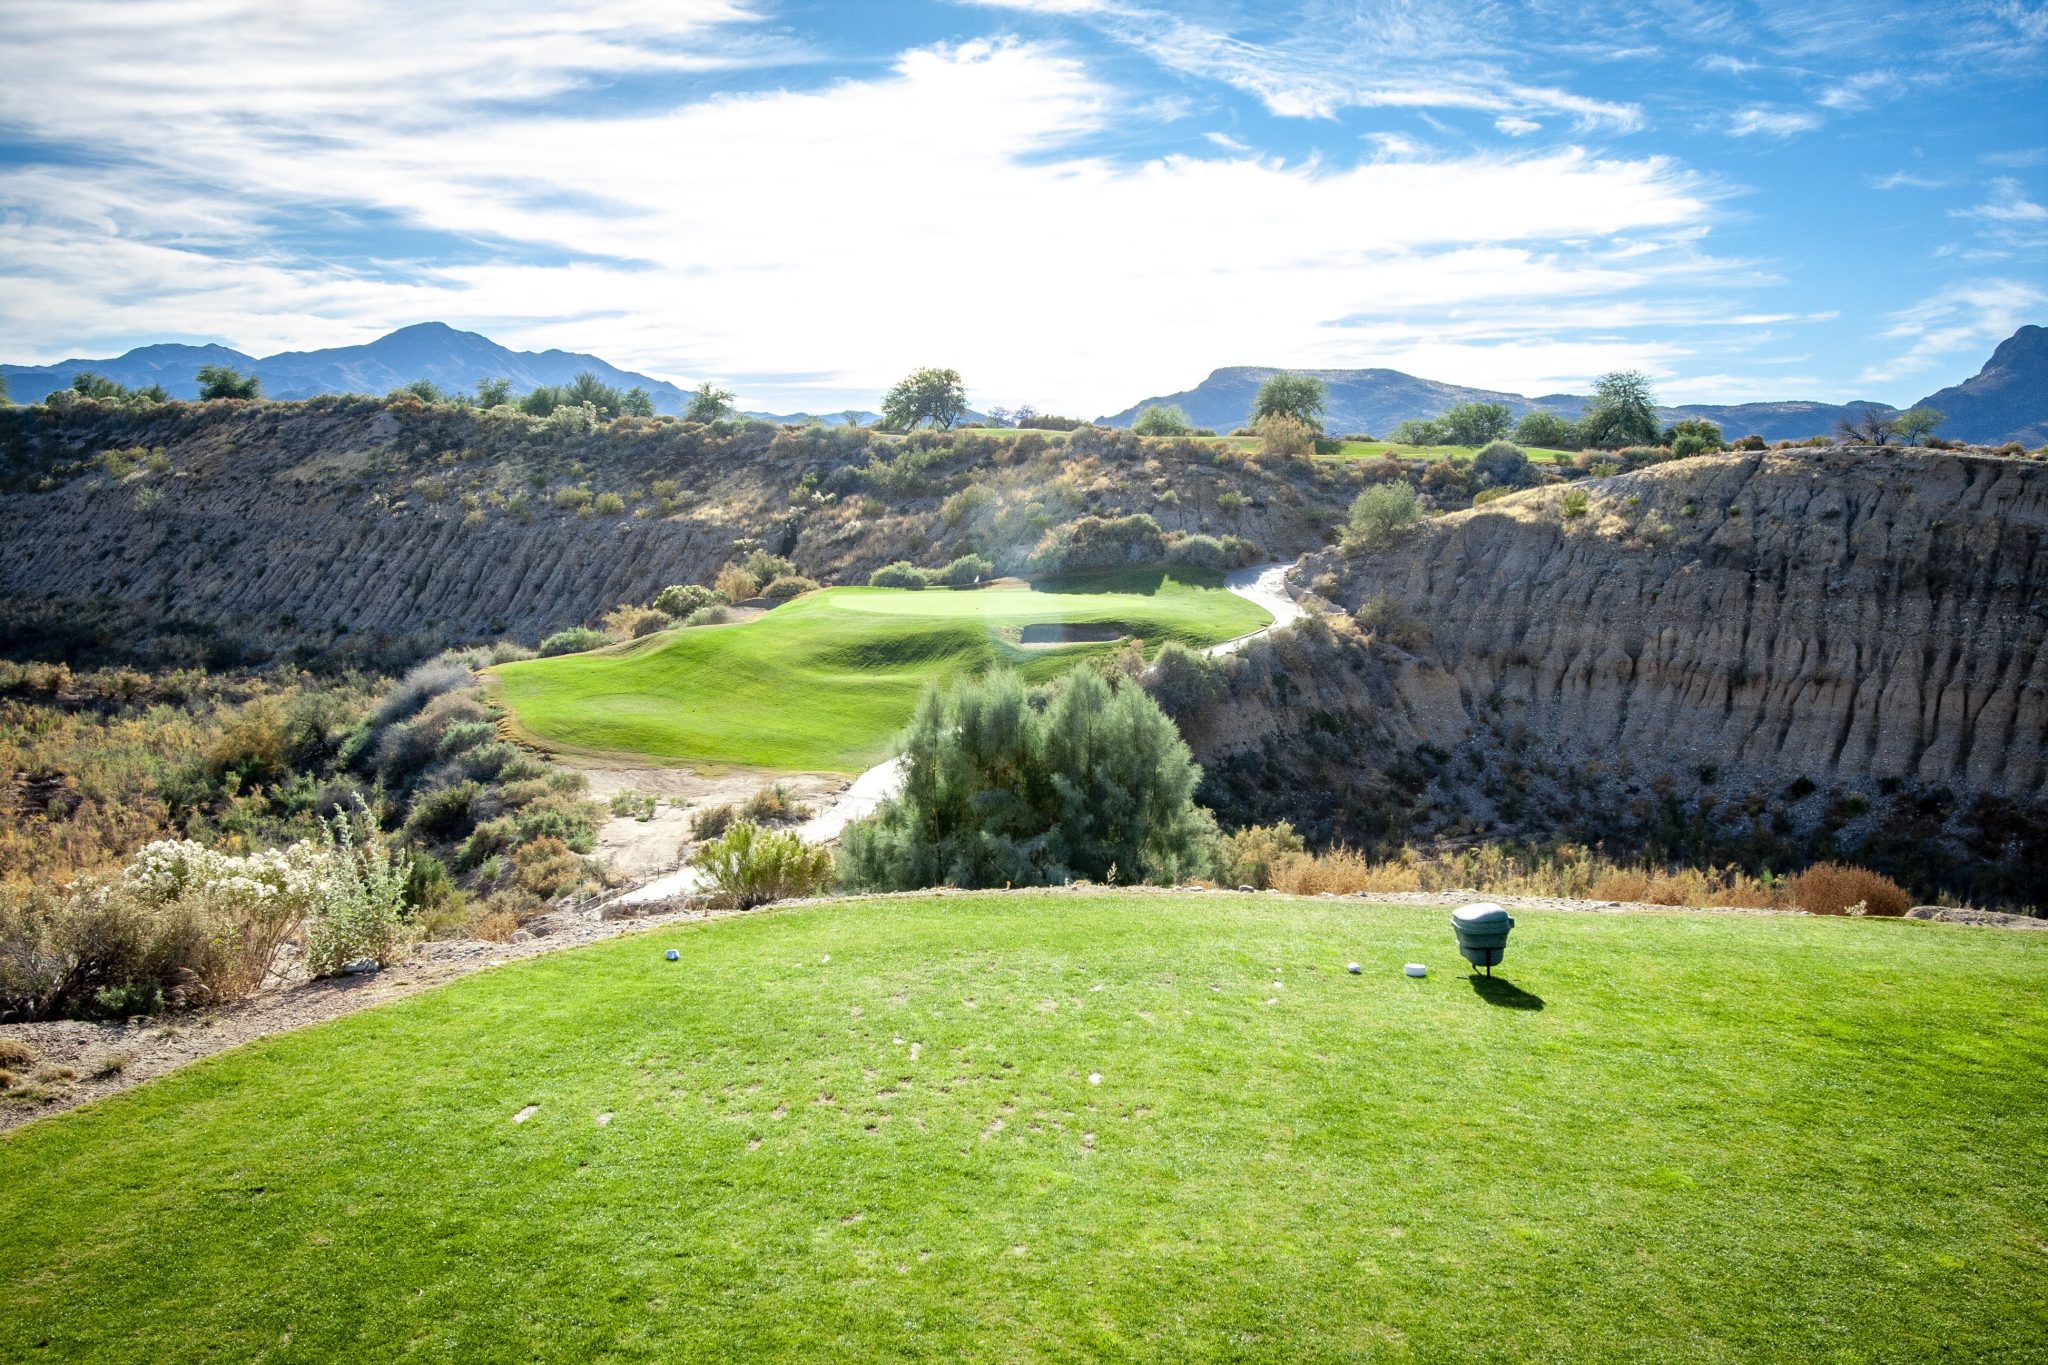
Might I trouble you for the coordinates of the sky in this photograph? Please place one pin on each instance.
(1076, 203)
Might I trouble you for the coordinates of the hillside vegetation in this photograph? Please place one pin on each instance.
(826, 681)
(1159, 1127)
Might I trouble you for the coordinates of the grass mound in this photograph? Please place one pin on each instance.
(1081, 1127)
(826, 682)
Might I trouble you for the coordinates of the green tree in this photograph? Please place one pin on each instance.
(541, 400)
(1299, 396)
(1474, 424)
(1623, 411)
(1162, 419)
(491, 393)
(3, 390)
(1419, 431)
(426, 390)
(1380, 513)
(590, 391)
(929, 395)
(1694, 436)
(1915, 425)
(709, 403)
(1008, 786)
(636, 402)
(1546, 430)
(221, 381)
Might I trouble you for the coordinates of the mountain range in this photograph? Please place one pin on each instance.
(2006, 400)
(454, 360)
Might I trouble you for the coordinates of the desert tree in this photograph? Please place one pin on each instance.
(928, 395)
(1297, 396)
(491, 393)
(1623, 411)
(1380, 513)
(708, 403)
(636, 402)
(1916, 424)
(222, 381)
(1474, 424)
(1546, 430)
(1868, 426)
(1162, 419)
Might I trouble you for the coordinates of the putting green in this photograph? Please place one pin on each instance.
(825, 682)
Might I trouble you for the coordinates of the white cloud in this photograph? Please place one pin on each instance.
(1514, 125)
(1770, 122)
(1957, 323)
(1907, 180)
(812, 244)
(2007, 217)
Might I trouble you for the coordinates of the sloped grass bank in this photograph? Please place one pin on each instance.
(1065, 1126)
(826, 681)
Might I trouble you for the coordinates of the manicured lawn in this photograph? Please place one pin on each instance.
(827, 681)
(1157, 1127)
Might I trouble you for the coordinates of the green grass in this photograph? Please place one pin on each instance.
(827, 681)
(1720, 1138)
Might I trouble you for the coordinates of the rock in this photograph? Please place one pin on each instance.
(1247, 888)
(362, 966)
(611, 912)
(521, 936)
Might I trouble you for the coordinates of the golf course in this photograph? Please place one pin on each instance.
(1150, 1125)
(824, 683)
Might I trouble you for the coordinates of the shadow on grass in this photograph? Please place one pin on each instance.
(1495, 991)
(1144, 580)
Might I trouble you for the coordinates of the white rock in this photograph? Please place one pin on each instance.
(1416, 969)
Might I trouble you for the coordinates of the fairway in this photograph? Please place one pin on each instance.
(824, 683)
(1154, 1126)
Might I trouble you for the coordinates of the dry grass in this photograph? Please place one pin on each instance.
(1834, 889)
(16, 1055)
(1568, 871)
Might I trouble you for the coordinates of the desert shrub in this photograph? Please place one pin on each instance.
(712, 821)
(509, 651)
(1751, 442)
(1181, 681)
(736, 583)
(1447, 480)
(966, 570)
(713, 615)
(773, 806)
(1161, 419)
(546, 868)
(1247, 857)
(965, 504)
(681, 599)
(1100, 543)
(1006, 786)
(574, 640)
(901, 574)
(1283, 437)
(490, 839)
(1381, 513)
(362, 911)
(1340, 871)
(609, 504)
(629, 622)
(459, 737)
(573, 498)
(749, 866)
(1835, 889)
(1501, 464)
(1230, 502)
(1573, 503)
(446, 814)
(418, 687)
(1385, 619)
(787, 586)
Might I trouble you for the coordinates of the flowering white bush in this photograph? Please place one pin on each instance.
(233, 913)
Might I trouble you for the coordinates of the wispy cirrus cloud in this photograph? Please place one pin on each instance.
(1759, 120)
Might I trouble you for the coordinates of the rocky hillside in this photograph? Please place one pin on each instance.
(1757, 656)
(339, 528)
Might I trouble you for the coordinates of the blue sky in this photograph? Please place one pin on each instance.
(1078, 203)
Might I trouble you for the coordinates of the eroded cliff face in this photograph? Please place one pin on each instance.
(350, 527)
(1787, 641)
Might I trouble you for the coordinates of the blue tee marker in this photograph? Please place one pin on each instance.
(673, 955)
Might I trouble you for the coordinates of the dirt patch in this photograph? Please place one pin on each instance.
(637, 849)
